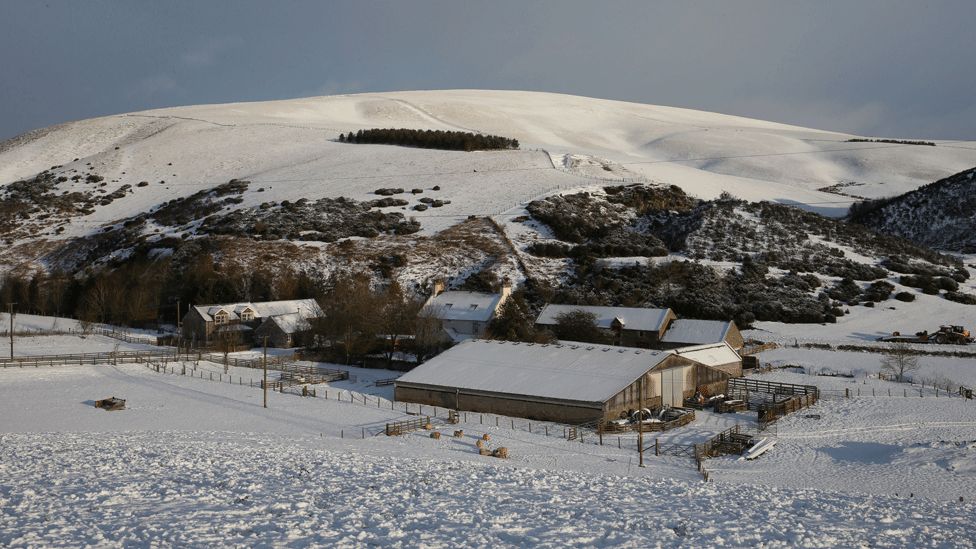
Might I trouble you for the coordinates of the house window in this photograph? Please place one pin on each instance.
(247, 315)
(220, 318)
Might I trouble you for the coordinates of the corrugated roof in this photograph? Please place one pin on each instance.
(587, 373)
(714, 354)
(697, 331)
(633, 318)
(472, 306)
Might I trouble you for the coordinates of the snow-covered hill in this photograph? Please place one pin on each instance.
(148, 185)
(290, 149)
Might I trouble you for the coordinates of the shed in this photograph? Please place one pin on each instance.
(719, 356)
(631, 326)
(685, 331)
(569, 383)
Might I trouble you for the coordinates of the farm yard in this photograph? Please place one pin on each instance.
(195, 461)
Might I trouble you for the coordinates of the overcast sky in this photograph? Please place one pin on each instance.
(901, 69)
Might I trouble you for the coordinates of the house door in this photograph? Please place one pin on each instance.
(672, 386)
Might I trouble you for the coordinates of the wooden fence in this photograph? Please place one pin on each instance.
(80, 359)
(401, 427)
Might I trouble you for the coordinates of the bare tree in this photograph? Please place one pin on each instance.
(227, 340)
(397, 313)
(899, 360)
(428, 332)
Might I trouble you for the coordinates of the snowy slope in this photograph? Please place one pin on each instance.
(289, 148)
(193, 462)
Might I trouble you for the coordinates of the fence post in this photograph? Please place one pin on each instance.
(657, 446)
(847, 392)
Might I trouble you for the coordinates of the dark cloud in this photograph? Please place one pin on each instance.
(872, 66)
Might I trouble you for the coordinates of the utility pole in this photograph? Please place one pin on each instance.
(640, 424)
(10, 312)
(179, 320)
(265, 384)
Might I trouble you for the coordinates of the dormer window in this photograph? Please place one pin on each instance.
(220, 318)
(247, 315)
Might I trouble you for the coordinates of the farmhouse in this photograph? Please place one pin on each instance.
(684, 332)
(204, 322)
(630, 326)
(569, 383)
(465, 315)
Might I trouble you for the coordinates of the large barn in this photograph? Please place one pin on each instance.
(568, 383)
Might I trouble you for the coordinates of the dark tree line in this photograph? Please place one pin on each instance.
(144, 292)
(430, 139)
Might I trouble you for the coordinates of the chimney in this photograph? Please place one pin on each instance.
(506, 288)
(439, 286)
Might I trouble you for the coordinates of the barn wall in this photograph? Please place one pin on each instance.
(711, 380)
(446, 397)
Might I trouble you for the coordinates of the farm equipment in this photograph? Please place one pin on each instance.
(951, 335)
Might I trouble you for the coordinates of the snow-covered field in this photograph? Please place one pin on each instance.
(195, 462)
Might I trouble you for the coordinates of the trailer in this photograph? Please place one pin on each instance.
(945, 335)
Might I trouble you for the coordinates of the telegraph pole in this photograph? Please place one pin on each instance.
(10, 312)
(265, 384)
(179, 320)
(640, 424)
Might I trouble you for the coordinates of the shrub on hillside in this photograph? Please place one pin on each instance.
(960, 297)
(430, 139)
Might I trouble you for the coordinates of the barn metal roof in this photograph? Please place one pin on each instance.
(581, 372)
(713, 354)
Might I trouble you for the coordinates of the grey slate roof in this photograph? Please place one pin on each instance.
(633, 318)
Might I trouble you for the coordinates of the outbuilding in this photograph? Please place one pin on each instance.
(718, 356)
(684, 332)
(630, 326)
(567, 383)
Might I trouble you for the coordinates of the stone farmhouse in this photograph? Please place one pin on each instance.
(464, 315)
(248, 323)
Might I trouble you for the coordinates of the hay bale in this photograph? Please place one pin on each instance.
(500, 453)
(480, 444)
(486, 437)
(436, 435)
(484, 451)
(459, 433)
